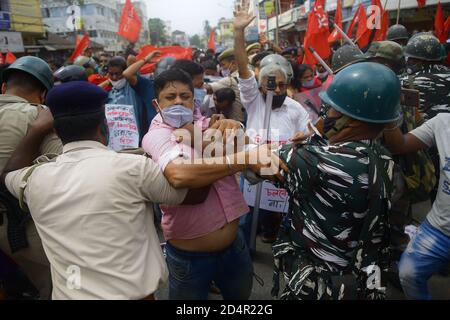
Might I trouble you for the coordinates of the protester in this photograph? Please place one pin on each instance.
(429, 250)
(203, 241)
(70, 73)
(130, 88)
(210, 68)
(287, 116)
(305, 79)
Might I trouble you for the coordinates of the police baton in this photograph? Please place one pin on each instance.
(323, 63)
(271, 86)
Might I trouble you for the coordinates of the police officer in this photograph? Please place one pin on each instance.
(388, 53)
(93, 206)
(337, 224)
(398, 33)
(345, 56)
(26, 83)
(426, 74)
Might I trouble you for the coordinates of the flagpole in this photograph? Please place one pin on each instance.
(277, 12)
(398, 11)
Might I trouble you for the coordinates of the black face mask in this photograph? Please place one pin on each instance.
(278, 101)
(329, 123)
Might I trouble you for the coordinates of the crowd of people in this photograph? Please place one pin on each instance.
(97, 157)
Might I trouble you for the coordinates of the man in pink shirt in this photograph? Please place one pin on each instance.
(203, 242)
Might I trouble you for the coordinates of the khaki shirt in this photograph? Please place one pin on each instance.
(16, 115)
(93, 209)
(238, 112)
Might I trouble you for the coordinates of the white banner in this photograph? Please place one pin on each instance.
(11, 41)
(272, 198)
(123, 131)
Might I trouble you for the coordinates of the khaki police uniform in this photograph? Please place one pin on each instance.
(16, 115)
(93, 209)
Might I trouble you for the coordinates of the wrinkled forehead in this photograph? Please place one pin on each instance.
(279, 77)
(175, 87)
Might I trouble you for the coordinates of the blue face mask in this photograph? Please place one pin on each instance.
(199, 96)
(177, 116)
(308, 84)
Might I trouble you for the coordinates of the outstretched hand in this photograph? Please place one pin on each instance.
(241, 18)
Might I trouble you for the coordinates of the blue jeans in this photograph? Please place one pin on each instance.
(426, 254)
(191, 273)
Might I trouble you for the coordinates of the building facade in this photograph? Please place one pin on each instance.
(181, 38)
(100, 18)
(21, 25)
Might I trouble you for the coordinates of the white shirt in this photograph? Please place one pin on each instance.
(285, 121)
(93, 211)
(436, 132)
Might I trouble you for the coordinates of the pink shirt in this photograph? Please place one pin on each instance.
(225, 202)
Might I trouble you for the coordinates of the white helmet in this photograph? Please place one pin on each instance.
(278, 60)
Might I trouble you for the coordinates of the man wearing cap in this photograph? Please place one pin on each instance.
(253, 48)
(94, 211)
(228, 70)
(26, 83)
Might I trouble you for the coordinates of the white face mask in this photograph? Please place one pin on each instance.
(226, 72)
(322, 75)
(119, 84)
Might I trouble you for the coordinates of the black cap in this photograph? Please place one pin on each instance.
(76, 98)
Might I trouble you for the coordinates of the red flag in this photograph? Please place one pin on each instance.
(447, 26)
(2, 59)
(211, 42)
(335, 35)
(81, 45)
(363, 32)
(439, 24)
(10, 57)
(383, 24)
(421, 3)
(354, 21)
(173, 51)
(130, 23)
(317, 33)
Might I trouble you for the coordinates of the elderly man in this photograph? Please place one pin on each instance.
(287, 116)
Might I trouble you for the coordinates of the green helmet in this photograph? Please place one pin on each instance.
(389, 50)
(345, 56)
(397, 32)
(424, 46)
(365, 91)
(34, 66)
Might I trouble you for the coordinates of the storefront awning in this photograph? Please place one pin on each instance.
(288, 26)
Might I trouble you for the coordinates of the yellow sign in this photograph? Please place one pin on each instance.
(26, 16)
(269, 8)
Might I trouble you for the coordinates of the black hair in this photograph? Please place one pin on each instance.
(225, 94)
(3, 67)
(259, 57)
(191, 67)
(80, 127)
(118, 62)
(298, 73)
(172, 75)
(209, 65)
(23, 80)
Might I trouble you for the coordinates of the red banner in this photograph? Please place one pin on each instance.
(439, 24)
(130, 23)
(421, 3)
(335, 35)
(211, 42)
(173, 51)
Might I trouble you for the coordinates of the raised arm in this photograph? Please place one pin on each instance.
(131, 72)
(241, 20)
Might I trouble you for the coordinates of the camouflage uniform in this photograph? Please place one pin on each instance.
(337, 222)
(433, 83)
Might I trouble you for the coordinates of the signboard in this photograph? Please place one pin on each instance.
(262, 26)
(5, 20)
(11, 41)
(123, 131)
(272, 198)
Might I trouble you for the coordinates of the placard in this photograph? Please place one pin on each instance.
(123, 130)
(272, 198)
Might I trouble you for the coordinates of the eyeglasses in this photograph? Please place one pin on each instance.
(281, 85)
